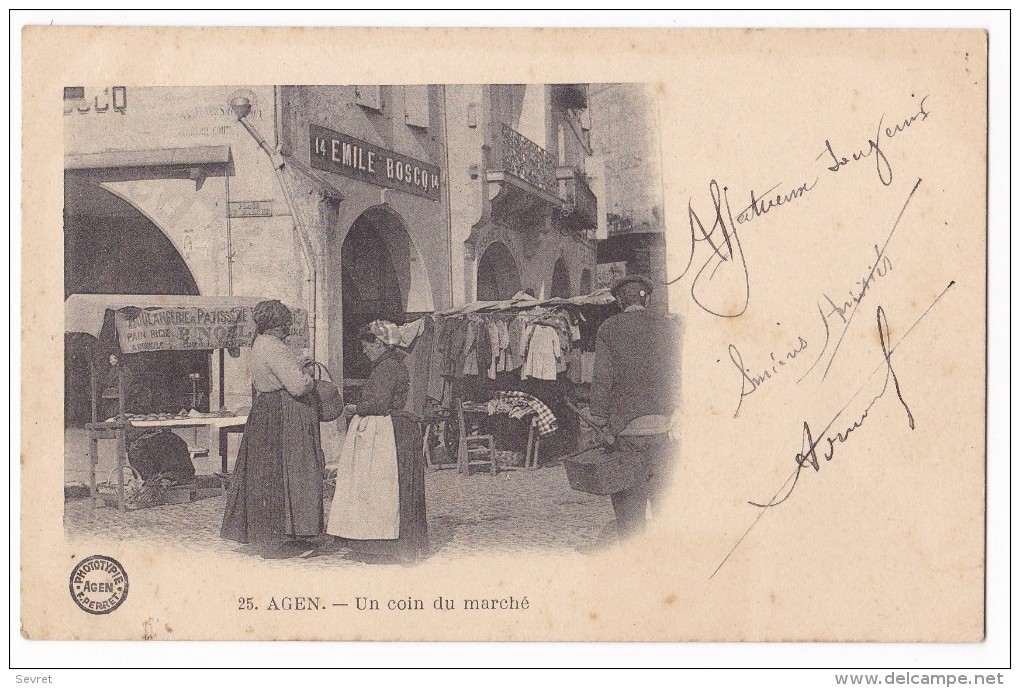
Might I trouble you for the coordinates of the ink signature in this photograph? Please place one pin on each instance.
(808, 455)
(725, 264)
(879, 268)
(882, 165)
(750, 383)
(837, 433)
(722, 285)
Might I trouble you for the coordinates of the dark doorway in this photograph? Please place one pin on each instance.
(375, 278)
(560, 280)
(498, 277)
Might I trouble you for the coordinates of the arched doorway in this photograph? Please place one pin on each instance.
(560, 280)
(498, 276)
(585, 281)
(382, 277)
(110, 247)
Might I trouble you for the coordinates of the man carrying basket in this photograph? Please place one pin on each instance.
(635, 397)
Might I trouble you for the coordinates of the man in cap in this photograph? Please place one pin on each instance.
(635, 394)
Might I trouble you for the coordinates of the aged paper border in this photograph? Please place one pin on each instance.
(990, 483)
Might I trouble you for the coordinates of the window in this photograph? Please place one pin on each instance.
(369, 96)
(416, 106)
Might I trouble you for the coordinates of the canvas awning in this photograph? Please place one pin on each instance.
(216, 157)
(520, 301)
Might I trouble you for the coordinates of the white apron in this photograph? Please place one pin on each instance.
(366, 504)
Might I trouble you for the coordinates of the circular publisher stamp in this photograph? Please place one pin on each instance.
(98, 584)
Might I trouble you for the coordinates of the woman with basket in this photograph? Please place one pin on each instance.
(379, 503)
(275, 497)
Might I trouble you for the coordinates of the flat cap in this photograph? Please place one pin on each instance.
(645, 283)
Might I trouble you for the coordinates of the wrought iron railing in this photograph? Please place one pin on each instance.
(526, 160)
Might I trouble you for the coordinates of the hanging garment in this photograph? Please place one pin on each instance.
(437, 360)
(366, 504)
(419, 364)
(458, 336)
(542, 353)
(574, 366)
(504, 346)
(515, 349)
(469, 352)
(497, 339)
(483, 348)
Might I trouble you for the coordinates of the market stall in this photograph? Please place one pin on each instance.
(503, 375)
(135, 324)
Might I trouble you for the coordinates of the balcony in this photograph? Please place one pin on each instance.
(579, 207)
(521, 174)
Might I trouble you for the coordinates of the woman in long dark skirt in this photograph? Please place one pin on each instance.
(275, 497)
(379, 503)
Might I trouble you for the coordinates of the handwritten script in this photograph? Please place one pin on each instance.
(722, 283)
(751, 381)
(808, 455)
(836, 433)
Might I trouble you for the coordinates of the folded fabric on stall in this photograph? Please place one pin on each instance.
(521, 404)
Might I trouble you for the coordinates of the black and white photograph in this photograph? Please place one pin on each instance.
(366, 323)
(437, 335)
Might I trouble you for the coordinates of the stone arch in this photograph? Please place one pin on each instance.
(382, 276)
(111, 246)
(498, 276)
(560, 280)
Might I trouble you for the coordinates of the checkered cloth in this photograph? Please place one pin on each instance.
(522, 404)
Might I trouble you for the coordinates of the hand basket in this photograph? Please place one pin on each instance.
(138, 493)
(599, 472)
(331, 402)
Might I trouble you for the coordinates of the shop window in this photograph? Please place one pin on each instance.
(416, 106)
(369, 97)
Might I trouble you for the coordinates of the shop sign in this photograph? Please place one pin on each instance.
(109, 99)
(354, 158)
(251, 209)
(195, 329)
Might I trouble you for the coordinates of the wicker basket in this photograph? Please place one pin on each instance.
(599, 472)
(138, 493)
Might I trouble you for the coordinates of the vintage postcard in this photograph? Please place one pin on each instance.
(550, 335)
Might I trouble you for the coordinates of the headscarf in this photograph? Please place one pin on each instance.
(383, 331)
(270, 314)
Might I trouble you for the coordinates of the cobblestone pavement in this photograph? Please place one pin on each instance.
(512, 511)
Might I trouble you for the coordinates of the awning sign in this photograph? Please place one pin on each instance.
(194, 329)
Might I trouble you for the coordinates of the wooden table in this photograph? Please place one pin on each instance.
(117, 430)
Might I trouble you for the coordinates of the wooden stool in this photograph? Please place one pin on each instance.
(484, 449)
(474, 449)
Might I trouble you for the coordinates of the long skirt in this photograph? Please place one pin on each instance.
(276, 490)
(411, 543)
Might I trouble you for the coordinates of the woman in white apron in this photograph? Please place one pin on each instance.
(379, 503)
